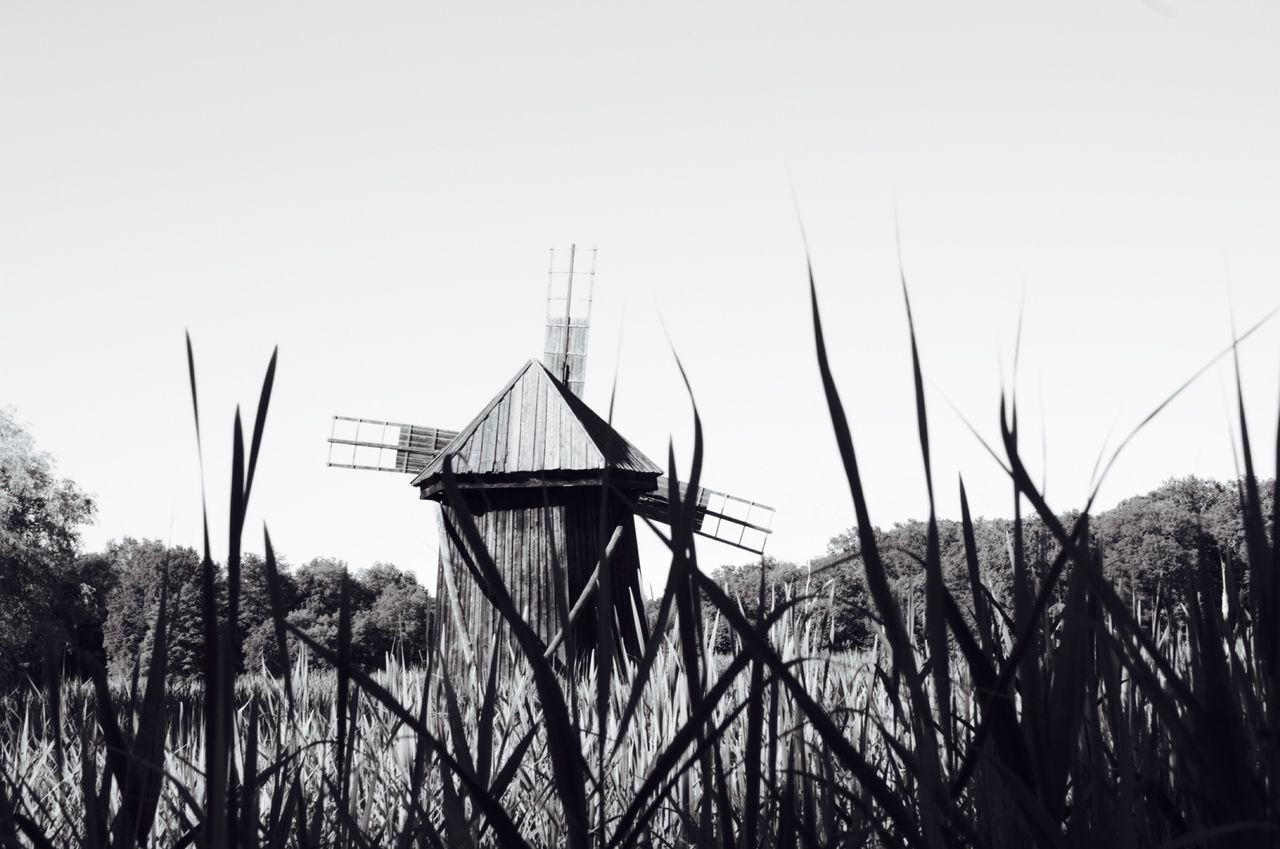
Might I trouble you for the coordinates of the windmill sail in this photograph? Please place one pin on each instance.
(384, 446)
(727, 518)
(570, 281)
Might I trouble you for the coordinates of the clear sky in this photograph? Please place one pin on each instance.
(374, 186)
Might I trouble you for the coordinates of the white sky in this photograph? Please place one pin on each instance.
(374, 187)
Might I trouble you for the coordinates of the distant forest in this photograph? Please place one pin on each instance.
(1149, 544)
(59, 604)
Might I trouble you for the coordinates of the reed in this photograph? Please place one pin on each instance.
(1066, 720)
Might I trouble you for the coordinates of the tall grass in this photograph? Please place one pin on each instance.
(1061, 721)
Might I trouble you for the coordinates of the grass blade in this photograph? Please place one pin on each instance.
(563, 742)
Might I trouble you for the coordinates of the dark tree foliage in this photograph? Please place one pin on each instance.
(902, 549)
(80, 605)
(397, 618)
(257, 629)
(1148, 542)
(140, 567)
(46, 598)
(390, 610)
(57, 603)
(827, 595)
(319, 587)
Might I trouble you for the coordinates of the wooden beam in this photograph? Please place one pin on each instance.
(588, 590)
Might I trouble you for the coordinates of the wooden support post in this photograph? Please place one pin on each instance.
(588, 590)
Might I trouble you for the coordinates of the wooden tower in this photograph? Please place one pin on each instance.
(552, 489)
(536, 466)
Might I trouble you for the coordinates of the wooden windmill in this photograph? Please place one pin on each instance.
(543, 475)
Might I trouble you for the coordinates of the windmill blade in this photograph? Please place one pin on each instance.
(384, 446)
(727, 518)
(570, 283)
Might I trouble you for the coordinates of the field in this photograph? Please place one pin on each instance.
(1064, 720)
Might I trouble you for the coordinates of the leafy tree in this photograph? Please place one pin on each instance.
(319, 587)
(742, 584)
(140, 567)
(390, 610)
(845, 620)
(397, 617)
(40, 519)
(79, 604)
(257, 627)
(832, 599)
(902, 549)
(1149, 541)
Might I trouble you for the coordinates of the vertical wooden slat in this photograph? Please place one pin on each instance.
(544, 568)
(493, 539)
(519, 538)
(583, 449)
(515, 565)
(484, 435)
(488, 439)
(528, 562)
(528, 425)
(515, 424)
(539, 563)
(475, 449)
(501, 534)
(528, 582)
(538, 454)
(565, 434)
(535, 565)
(572, 440)
(547, 575)
(502, 432)
(531, 560)
(551, 432)
(519, 577)
(515, 546)
(571, 572)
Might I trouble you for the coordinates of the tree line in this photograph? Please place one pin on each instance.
(59, 605)
(1149, 543)
(104, 605)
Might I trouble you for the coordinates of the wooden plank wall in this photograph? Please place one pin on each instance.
(555, 353)
(522, 537)
(534, 425)
(529, 428)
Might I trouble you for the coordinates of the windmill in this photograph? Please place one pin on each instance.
(542, 474)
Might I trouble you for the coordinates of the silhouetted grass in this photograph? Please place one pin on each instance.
(1062, 722)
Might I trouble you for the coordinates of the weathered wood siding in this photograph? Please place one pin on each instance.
(556, 351)
(536, 425)
(525, 540)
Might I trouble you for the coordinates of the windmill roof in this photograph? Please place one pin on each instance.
(536, 425)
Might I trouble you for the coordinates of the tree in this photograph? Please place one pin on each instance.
(1149, 541)
(828, 598)
(390, 611)
(397, 617)
(80, 605)
(319, 584)
(140, 567)
(844, 617)
(259, 648)
(40, 520)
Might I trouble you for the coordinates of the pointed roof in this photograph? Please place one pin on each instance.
(533, 427)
